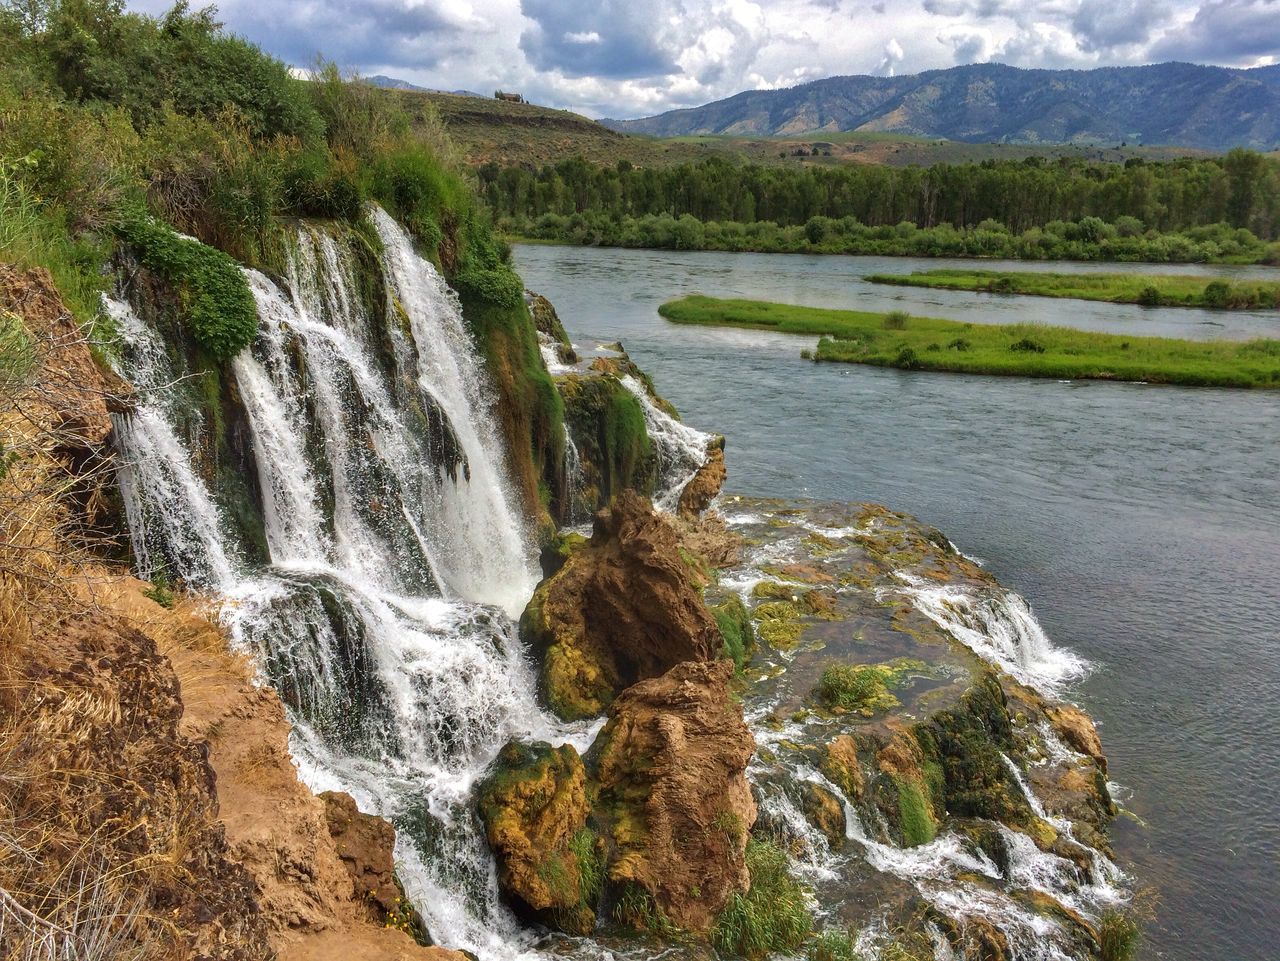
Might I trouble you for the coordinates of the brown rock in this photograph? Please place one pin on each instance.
(366, 845)
(824, 811)
(534, 807)
(706, 483)
(624, 608)
(673, 793)
(1076, 728)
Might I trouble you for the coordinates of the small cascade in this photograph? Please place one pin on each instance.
(573, 481)
(681, 450)
(998, 626)
(397, 554)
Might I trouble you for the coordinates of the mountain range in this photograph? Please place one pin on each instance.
(1174, 104)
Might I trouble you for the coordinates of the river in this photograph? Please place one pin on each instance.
(1141, 522)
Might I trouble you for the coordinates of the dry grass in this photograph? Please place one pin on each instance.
(71, 886)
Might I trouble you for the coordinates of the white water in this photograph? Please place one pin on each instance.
(998, 626)
(681, 450)
(397, 555)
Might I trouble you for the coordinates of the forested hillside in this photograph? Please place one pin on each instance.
(1214, 108)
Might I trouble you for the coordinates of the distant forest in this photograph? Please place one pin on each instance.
(1223, 209)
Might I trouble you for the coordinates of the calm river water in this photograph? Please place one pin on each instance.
(1142, 523)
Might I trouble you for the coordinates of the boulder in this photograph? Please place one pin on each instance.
(534, 808)
(1076, 728)
(673, 801)
(625, 607)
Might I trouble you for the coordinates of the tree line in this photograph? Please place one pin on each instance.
(1220, 208)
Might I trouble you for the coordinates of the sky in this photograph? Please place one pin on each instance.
(631, 58)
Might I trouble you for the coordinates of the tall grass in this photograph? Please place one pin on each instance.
(1027, 350)
(773, 916)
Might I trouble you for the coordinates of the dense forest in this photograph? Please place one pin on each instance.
(1219, 209)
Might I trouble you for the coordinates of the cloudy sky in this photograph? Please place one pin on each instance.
(628, 58)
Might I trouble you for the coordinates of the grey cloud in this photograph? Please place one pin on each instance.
(629, 44)
(1225, 31)
(363, 32)
(1101, 25)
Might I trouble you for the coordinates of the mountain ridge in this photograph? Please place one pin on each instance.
(1174, 103)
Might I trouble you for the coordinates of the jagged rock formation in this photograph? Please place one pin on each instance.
(623, 608)
(674, 803)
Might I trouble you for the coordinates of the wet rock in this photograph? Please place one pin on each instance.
(547, 321)
(705, 485)
(674, 802)
(824, 811)
(1076, 728)
(625, 607)
(534, 807)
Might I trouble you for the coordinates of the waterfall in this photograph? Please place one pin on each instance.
(398, 557)
(681, 450)
(573, 480)
(998, 626)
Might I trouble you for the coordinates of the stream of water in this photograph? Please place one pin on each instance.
(1140, 522)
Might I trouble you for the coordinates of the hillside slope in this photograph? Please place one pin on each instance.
(1212, 108)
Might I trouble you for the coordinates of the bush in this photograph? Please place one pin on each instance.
(1217, 294)
(1028, 345)
(896, 320)
(959, 344)
(907, 359)
(216, 302)
(501, 286)
(1150, 297)
(773, 916)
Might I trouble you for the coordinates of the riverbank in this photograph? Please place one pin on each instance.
(1029, 350)
(1146, 290)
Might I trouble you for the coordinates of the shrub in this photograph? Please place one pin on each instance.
(1026, 344)
(1217, 294)
(1150, 297)
(907, 359)
(896, 320)
(959, 344)
(773, 916)
(216, 302)
(501, 286)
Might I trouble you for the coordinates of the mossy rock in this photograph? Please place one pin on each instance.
(534, 805)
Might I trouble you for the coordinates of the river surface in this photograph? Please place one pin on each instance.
(1141, 522)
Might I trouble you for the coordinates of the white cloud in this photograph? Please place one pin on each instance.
(636, 57)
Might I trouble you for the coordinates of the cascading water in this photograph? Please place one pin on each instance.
(998, 626)
(681, 449)
(397, 556)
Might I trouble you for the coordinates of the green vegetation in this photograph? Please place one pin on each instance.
(914, 815)
(591, 865)
(1119, 935)
(735, 628)
(832, 946)
(1222, 209)
(113, 118)
(773, 916)
(863, 688)
(1145, 289)
(215, 297)
(1026, 350)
